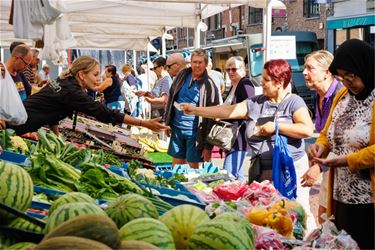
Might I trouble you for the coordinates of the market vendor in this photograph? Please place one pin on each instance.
(67, 94)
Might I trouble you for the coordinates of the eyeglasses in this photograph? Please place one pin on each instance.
(228, 70)
(155, 67)
(170, 65)
(23, 60)
(348, 77)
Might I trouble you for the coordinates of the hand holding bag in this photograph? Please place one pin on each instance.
(283, 171)
(222, 134)
(11, 106)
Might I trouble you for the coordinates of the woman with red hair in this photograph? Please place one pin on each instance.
(275, 104)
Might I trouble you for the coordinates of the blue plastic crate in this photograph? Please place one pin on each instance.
(175, 201)
(40, 205)
(36, 215)
(51, 192)
(19, 159)
(173, 194)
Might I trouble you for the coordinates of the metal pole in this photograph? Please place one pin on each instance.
(264, 33)
(269, 28)
(134, 59)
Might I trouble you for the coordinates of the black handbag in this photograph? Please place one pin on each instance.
(222, 134)
(255, 167)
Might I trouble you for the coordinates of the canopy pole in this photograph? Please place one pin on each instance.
(134, 59)
(197, 30)
(126, 57)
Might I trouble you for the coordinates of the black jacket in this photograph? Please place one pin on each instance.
(58, 100)
(208, 96)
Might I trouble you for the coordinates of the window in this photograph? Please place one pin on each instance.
(217, 21)
(255, 15)
(310, 8)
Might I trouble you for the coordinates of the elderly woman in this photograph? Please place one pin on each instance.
(67, 94)
(241, 89)
(349, 137)
(292, 115)
(317, 76)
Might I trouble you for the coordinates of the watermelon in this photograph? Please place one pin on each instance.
(182, 220)
(22, 246)
(136, 244)
(148, 230)
(70, 198)
(69, 211)
(238, 220)
(220, 234)
(16, 189)
(20, 223)
(129, 207)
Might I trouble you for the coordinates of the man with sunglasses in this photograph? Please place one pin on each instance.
(20, 59)
(175, 63)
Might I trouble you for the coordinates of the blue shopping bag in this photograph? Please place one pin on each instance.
(283, 170)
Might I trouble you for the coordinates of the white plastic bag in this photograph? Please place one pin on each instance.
(11, 106)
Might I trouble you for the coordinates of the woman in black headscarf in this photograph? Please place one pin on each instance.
(348, 139)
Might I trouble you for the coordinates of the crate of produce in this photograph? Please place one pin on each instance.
(16, 158)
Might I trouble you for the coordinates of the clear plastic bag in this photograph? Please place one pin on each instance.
(11, 106)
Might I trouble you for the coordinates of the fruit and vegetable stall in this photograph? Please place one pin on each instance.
(93, 187)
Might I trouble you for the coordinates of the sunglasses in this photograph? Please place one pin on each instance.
(154, 68)
(23, 60)
(228, 70)
(170, 65)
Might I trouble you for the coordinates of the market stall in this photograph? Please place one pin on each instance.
(59, 189)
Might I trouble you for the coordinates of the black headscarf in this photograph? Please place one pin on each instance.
(357, 57)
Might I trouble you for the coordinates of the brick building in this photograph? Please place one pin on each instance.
(300, 15)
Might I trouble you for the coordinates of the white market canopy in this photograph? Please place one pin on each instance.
(125, 24)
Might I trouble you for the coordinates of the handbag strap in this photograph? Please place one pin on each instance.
(278, 106)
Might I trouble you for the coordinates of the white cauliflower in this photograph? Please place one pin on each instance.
(19, 145)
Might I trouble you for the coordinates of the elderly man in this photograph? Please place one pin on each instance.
(19, 60)
(188, 143)
(30, 71)
(44, 73)
(175, 63)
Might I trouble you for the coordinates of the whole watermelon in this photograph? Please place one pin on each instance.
(220, 234)
(148, 230)
(238, 220)
(70, 198)
(16, 189)
(69, 211)
(129, 207)
(182, 220)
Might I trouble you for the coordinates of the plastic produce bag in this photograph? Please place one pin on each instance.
(230, 191)
(283, 172)
(11, 106)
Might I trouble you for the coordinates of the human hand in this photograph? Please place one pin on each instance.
(155, 125)
(2, 124)
(187, 108)
(311, 176)
(333, 162)
(140, 93)
(206, 154)
(267, 129)
(315, 150)
(168, 132)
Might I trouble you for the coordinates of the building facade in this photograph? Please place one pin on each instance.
(300, 15)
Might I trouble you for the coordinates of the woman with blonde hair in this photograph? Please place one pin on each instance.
(241, 89)
(68, 93)
(317, 76)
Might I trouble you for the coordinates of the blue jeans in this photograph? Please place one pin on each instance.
(233, 163)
